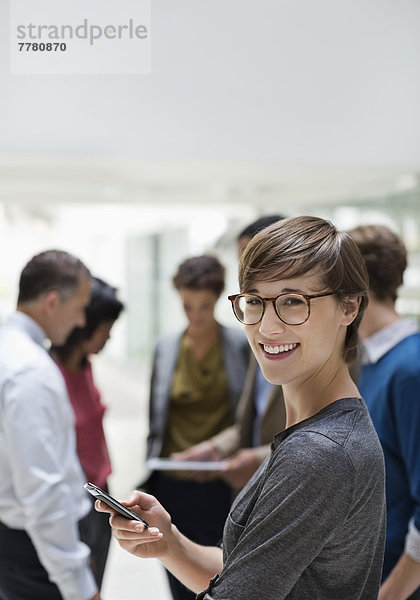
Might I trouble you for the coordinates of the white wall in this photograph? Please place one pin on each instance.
(322, 82)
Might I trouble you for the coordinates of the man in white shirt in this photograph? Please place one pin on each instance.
(41, 497)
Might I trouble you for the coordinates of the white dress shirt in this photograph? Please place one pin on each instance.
(379, 343)
(40, 475)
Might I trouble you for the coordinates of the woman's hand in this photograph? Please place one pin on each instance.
(133, 536)
(192, 564)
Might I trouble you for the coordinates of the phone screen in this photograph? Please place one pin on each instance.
(112, 502)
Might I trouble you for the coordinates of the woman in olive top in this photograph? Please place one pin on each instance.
(197, 378)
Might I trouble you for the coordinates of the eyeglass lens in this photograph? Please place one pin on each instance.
(292, 308)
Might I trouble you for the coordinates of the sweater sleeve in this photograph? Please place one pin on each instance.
(227, 441)
(407, 419)
(412, 542)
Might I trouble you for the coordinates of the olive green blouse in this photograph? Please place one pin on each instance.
(199, 405)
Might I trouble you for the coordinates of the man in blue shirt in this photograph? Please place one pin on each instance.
(390, 385)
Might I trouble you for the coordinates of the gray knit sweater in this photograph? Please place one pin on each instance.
(311, 522)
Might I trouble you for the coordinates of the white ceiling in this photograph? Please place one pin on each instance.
(293, 100)
(38, 180)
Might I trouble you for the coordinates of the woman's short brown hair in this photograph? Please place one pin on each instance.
(305, 245)
(201, 273)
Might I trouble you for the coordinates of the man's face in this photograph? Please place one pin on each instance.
(68, 314)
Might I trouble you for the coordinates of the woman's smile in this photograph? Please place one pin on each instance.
(278, 351)
(288, 353)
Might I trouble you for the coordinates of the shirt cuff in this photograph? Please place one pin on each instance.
(412, 542)
(227, 441)
(79, 585)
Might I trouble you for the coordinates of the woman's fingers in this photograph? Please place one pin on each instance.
(132, 535)
(151, 534)
(141, 499)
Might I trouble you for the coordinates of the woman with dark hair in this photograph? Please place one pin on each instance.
(72, 358)
(311, 521)
(197, 378)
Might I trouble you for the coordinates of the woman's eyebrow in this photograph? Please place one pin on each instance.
(294, 291)
(284, 291)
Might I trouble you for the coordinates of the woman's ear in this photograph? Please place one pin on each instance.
(351, 309)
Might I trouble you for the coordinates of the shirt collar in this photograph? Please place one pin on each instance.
(30, 327)
(379, 343)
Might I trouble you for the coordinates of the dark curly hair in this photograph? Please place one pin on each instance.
(201, 273)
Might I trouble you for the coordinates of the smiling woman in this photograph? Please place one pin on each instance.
(311, 522)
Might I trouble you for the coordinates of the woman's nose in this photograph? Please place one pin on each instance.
(270, 323)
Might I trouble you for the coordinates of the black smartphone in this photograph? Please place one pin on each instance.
(113, 503)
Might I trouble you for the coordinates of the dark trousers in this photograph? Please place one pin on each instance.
(199, 510)
(22, 577)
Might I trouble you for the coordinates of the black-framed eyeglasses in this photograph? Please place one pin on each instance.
(291, 308)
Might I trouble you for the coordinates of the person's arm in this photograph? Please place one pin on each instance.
(275, 541)
(204, 451)
(404, 578)
(45, 468)
(152, 433)
(192, 564)
(228, 441)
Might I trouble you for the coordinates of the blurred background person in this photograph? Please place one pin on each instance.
(74, 363)
(42, 501)
(390, 384)
(249, 231)
(260, 414)
(197, 378)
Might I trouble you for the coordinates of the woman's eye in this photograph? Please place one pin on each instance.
(253, 302)
(293, 301)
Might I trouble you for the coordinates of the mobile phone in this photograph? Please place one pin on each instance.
(113, 503)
